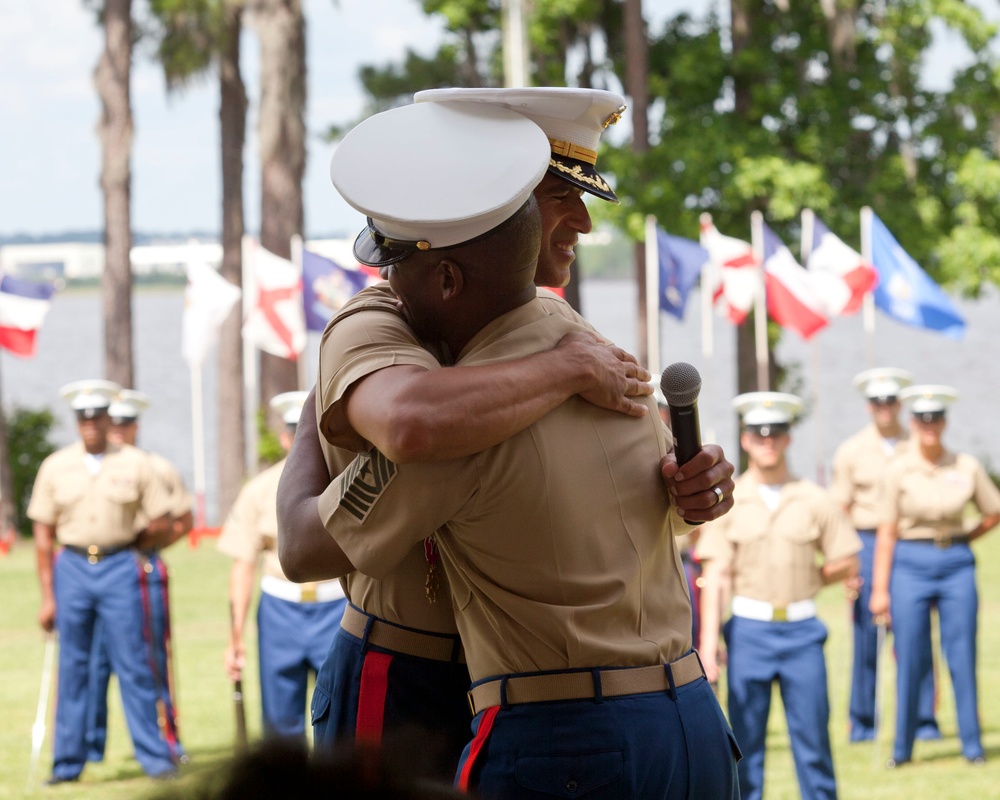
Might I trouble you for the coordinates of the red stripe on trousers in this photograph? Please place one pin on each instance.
(371, 698)
(482, 734)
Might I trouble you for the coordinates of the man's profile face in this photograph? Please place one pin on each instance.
(564, 217)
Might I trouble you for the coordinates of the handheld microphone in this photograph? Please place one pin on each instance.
(680, 384)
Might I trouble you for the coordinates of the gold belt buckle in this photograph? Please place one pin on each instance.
(779, 614)
(93, 554)
(942, 542)
(308, 593)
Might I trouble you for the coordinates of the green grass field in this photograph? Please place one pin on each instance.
(200, 609)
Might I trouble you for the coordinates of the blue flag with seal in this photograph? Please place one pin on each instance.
(906, 293)
(681, 261)
(326, 286)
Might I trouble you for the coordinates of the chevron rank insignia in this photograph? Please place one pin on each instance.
(363, 482)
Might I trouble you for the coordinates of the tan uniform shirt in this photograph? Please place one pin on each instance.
(99, 509)
(173, 483)
(772, 554)
(354, 346)
(928, 501)
(859, 465)
(250, 532)
(558, 543)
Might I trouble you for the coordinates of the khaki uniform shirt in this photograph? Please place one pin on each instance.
(773, 554)
(99, 509)
(251, 529)
(928, 501)
(558, 543)
(354, 346)
(859, 465)
(173, 483)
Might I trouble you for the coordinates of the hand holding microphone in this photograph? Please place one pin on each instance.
(680, 384)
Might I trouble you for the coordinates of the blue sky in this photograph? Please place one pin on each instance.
(49, 156)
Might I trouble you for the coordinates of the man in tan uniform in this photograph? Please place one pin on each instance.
(558, 541)
(154, 586)
(764, 552)
(295, 622)
(859, 465)
(87, 497)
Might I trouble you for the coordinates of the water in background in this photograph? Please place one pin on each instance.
(70, 347)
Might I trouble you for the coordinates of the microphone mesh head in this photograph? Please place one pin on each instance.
(680, 383)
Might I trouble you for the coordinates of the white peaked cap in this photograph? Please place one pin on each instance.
(89, 395)
(289, 405)
(573, 121)
(882, 382)
(767, 408)
(929, 398)
(435, 175)
(128, 404)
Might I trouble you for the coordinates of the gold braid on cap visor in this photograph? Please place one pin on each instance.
(577, 174)
(395, 244)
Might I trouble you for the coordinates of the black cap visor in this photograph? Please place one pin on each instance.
(374, 249)
(928, 416)
(768, 430)
(582, 174)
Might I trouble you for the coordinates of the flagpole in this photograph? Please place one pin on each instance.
(296, 251)
(868, 307)
(706, 283)
(249, 358)
(198, 446)
(652, 299)
(805, 253)
(760, 302)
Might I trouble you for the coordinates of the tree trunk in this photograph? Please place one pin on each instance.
(111, 78)
(232, 119)
(637, 87)
(281, 28)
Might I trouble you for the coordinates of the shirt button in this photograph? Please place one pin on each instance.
(571, 786)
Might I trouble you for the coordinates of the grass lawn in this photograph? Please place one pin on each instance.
(200, 616)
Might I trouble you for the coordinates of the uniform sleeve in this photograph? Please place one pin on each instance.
(353, 348)
(238, 539)
(155, 501)
(181, 501)
(557, 306)
(713, 542)
(841, 486)
(42, 507)
(986, 496)
(838, 539)
(377, 510)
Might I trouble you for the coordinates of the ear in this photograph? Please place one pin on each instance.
(451, 281)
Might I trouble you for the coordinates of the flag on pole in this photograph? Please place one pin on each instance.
(905, 292)
(326, 287)
(792, 297)
(735, 273)
(276, 322)
(681, 261)
(23, 306)
(842, 275)
(208, 299)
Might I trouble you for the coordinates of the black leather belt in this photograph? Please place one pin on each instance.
(941, 541)
(95, 553)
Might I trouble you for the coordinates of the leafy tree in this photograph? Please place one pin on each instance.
(28, 446)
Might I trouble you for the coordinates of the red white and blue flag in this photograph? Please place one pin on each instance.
(793, 299)
(843, 276)
(327, 286)
(733, 270)
(23, 306)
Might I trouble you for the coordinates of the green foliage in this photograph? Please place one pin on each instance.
(269, 449)
(28, 446)
(188, 33)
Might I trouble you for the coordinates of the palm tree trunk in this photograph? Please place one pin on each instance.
(232, 118)
(281, 28)
(111, 78)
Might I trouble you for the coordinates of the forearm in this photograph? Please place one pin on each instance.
(714, 576)
(986, 524)
(44, 536)
(241, 581)
(840, 570)
(885, 545)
